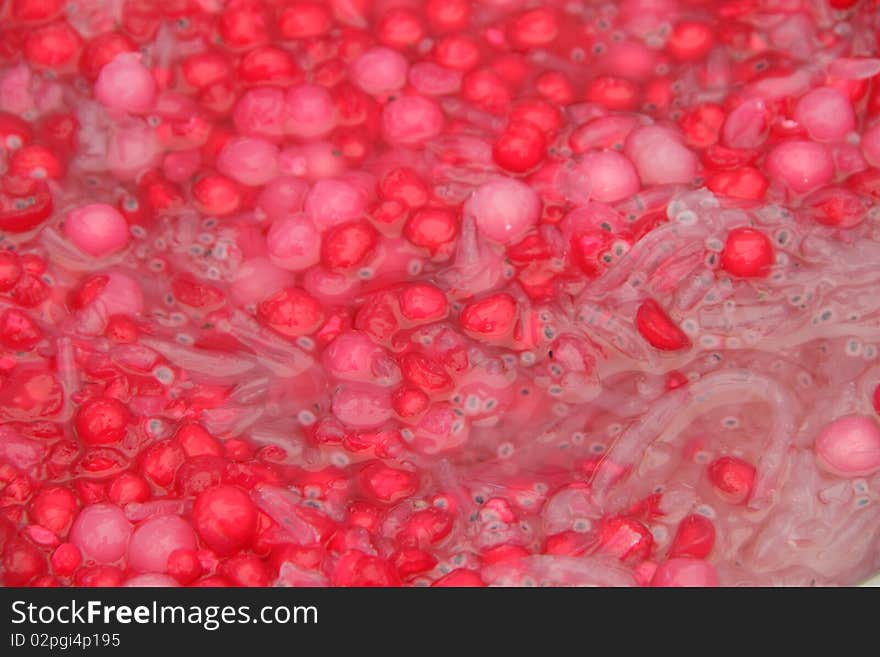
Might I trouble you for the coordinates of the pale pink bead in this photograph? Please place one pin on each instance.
(362, 406)
(97, 229)
(334, 201)
(801, 165)
(249, 160)
(353, 356)
(504, 209)
(294, 244)
(261, 112)
(313, 160)
(330, 287)
(121, 295)
(826, 114)
(311, 111)
(434, 80)
(685, 572)
(746, 126)
(126, 84)
(151, 580)
(613, 176)
(257, 278)
(849, 446)
(630, 59)
(410, 120)
(871, 145)
(101, 532)
(153, 541)
(660, 157)
(379, 71)
(282, 197)
(132, 149)
(180, 166)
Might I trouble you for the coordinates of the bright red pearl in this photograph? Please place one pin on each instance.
(225, 518)
(102, 421)
(748, 253)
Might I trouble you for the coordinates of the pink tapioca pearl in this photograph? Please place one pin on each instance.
(330, 287)
(101, 532)
(121, 295)
(826, 114)
(379, 71)
(871, 145)
(313, 160)
(153, 541)
(849, 446)
(311, 111)
(150, 580)
(362, 406)
(630, 59)
(660, 157)
(282, 197)
(294, 244)
(504, 209)
(249, 160)
(334, 201)
(126, 84)
(801, 165)
(353, 356)
(613, 176)
(97, 229)
(685, 572)
(410, 120)
(261, 112)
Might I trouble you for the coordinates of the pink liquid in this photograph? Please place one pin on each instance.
(439, 292)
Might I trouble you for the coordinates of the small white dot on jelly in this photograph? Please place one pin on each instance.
(660, 533)
(705, 510)
(163, 375)
(581, 525)
(306, 418)
(853, 348)
(561, 409)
